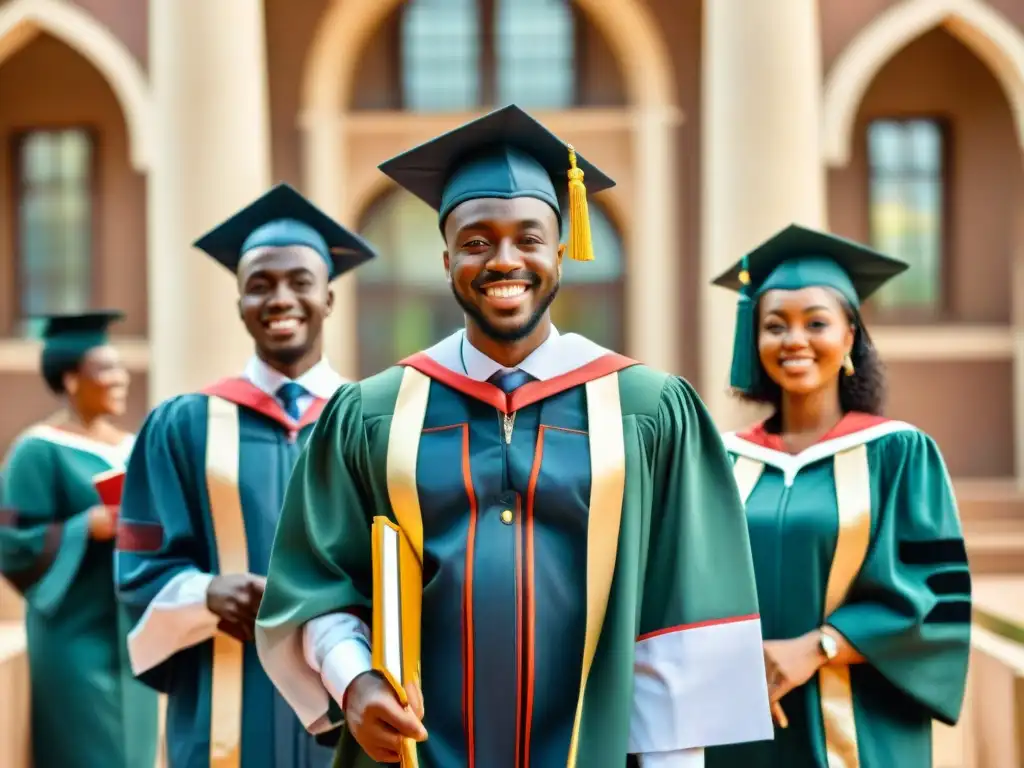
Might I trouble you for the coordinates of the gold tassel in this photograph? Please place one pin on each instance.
(581, 247)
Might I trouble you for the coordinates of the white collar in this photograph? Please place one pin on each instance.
(557, 355)
(320, 381)
(790, 464)
(115, 455)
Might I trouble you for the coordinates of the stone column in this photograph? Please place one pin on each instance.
(761, 149)
(325, 170)
(652, 299)
(208, 67)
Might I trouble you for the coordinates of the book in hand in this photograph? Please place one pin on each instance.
(397, 603)
(109, 485)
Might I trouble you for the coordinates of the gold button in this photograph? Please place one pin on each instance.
(506, 516)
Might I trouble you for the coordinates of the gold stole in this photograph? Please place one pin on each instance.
(403, 493)
(608, 475)
(853, 498)
(222, 448)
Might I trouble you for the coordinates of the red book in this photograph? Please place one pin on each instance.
(109, 485)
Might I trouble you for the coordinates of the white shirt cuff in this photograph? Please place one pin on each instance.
(337, 647)
(683, 758)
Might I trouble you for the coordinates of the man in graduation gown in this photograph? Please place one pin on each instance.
(204, 489)
(588, 589)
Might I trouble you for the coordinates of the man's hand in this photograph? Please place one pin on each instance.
(235, 599)
(378, 721)
(102, 523)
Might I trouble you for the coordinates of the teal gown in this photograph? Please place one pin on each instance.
(870, 504)
(167, 530)
(88, 711)
(597, 528)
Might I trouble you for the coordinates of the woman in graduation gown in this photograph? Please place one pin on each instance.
(57, 549)
(862, 575)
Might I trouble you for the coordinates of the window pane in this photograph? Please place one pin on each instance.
(536, 53)
(884, 147)
(906, 208)
(440, 55)
(54, 223)
(591, 300)
(405, 303)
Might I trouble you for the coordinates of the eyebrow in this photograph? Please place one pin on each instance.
(486, 223)
(805, 311)
(268, 272)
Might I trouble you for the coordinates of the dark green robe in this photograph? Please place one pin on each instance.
(908, 610)
(88, 711)
(587, 581)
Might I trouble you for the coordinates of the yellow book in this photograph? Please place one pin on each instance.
(397, 604)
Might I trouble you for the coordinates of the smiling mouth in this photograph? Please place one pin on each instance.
(797, 363)
(505, 291)
(282, 325)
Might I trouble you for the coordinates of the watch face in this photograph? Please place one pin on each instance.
(828, 645)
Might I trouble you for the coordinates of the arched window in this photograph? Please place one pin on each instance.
(406, 305)
(440, 55)
(464, 54)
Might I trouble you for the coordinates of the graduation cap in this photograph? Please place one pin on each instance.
(283, 217)
(790, 260)
(504, 154)
(78, 333)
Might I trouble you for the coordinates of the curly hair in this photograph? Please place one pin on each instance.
(864, 391)
(56, 364)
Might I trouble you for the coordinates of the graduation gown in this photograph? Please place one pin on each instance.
(202, 497)
(588, 588)
(88, 711)
(861, 532)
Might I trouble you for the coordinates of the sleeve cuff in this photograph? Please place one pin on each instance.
(176, 619)
(700, 686)
(345, 662)
(48, 593)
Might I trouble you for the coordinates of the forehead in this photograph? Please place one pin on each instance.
(800, 300)
(281, 258)
(103, 356)
(495, 210)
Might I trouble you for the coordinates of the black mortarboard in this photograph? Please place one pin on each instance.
(790, 260)
(78, 333)
(504, 154)
(283, 217)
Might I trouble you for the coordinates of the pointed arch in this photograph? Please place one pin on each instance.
(992, 38)
(22, 20)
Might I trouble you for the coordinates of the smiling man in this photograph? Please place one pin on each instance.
(204, 489)
(588, 591)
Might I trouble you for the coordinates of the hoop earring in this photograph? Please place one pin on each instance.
(848, 368)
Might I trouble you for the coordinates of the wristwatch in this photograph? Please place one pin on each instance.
(827, 643)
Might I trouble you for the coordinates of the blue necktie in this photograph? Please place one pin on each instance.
(289, 394)
(511, 381)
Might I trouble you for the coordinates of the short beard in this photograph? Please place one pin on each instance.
(285, 357)
(514, 334)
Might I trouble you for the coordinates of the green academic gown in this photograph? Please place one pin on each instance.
(88, 711)
(588, 588)
(860, 531)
